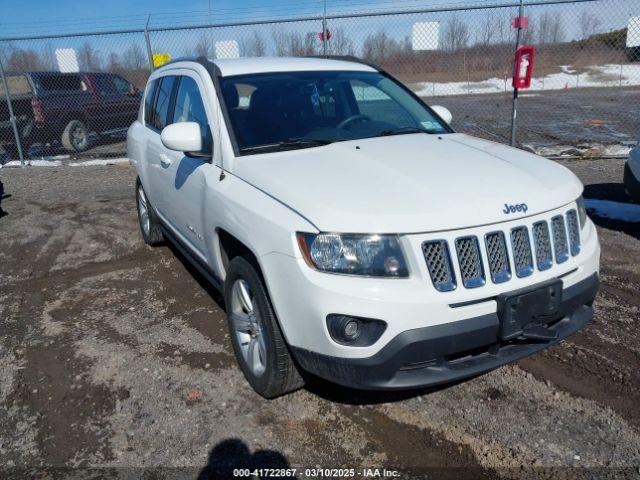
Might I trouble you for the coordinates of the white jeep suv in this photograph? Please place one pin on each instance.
(353, 234)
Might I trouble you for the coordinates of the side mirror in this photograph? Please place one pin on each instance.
(443, 113)
(183, 137)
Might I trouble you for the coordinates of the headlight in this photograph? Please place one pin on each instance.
(582, 211)
(351, 254)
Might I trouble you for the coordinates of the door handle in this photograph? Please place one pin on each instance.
(165, 161)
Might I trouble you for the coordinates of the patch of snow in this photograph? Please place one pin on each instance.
(609, 75)
(34, 163)
(625, 212)
(106, 161)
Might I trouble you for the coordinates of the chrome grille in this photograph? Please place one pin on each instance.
(498, 258)
(521, 246)
(470, 262)
(550, 242)
(436, 254)
(542, 244)
(560, 245)
(574, 232)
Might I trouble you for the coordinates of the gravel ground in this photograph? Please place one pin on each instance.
(115, 361)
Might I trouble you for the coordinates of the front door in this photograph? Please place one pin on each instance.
(185, 178)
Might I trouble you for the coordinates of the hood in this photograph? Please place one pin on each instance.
(410, 183)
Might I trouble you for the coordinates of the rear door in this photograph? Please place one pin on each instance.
(158, 116)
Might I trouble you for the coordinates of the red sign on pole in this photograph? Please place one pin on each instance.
(321, 35)
(521, 22)
(523, 69)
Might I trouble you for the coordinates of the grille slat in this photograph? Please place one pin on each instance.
(560, 244)
(522, 257)
(470, 261)
(550, 242)
(542, 244)
(574, 232)
(436, 254)
(498, 257)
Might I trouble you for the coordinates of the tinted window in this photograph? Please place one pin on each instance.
(60, 82)
(189, 105)
(103, 85)
(163, 101)
(122, 86)
(148, 102)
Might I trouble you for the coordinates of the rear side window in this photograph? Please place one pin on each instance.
(149, 97)
(59, 83)
(122, 86)
(103, 85)
(163, 102)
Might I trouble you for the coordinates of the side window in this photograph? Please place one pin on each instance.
(148, 102)
(189, 104)
(103, 85)
(163, 100)
(122, 86)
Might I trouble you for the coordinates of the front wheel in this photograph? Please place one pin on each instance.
(258, 344)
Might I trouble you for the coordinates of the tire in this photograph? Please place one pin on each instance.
(75, 136)
(147, 218)
(255, 333)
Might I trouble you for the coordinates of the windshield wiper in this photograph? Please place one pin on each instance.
(289, 143)
(400, 131)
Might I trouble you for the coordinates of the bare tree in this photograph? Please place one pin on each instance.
(255, 46)
(488, 30)
(204, 47)
(550, 28)
(529, 33)
(134, 58)
(88, 58)
(21, 60)
(455, 35)
(340, 43)
(379, 47)
(113, 64)
(295, 45)
(589, 23)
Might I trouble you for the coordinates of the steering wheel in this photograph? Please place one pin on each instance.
(354, 118)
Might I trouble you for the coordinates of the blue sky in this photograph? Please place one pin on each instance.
(57, 16)
(39, 17)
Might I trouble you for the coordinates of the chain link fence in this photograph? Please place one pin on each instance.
(75, 95)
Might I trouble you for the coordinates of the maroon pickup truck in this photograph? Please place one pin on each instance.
(70, 109)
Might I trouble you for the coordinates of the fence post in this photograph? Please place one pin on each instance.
(12, 117)
(148, 42)
(514, 112)
(324, 29)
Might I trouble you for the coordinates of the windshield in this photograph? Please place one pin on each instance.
(287, 110)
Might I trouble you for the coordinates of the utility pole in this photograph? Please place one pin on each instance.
(12, 117)
(514, 113)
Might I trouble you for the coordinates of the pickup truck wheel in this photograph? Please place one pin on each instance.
(149, 223)
(258, 344)
(75, 137)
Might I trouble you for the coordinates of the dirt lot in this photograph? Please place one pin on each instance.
(115, 355)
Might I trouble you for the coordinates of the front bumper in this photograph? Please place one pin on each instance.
(447, 352)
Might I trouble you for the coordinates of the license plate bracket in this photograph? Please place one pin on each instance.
(529, 310)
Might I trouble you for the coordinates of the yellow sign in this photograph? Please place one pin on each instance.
(160, 59)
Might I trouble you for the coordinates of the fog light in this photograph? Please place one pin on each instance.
(354, 331)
